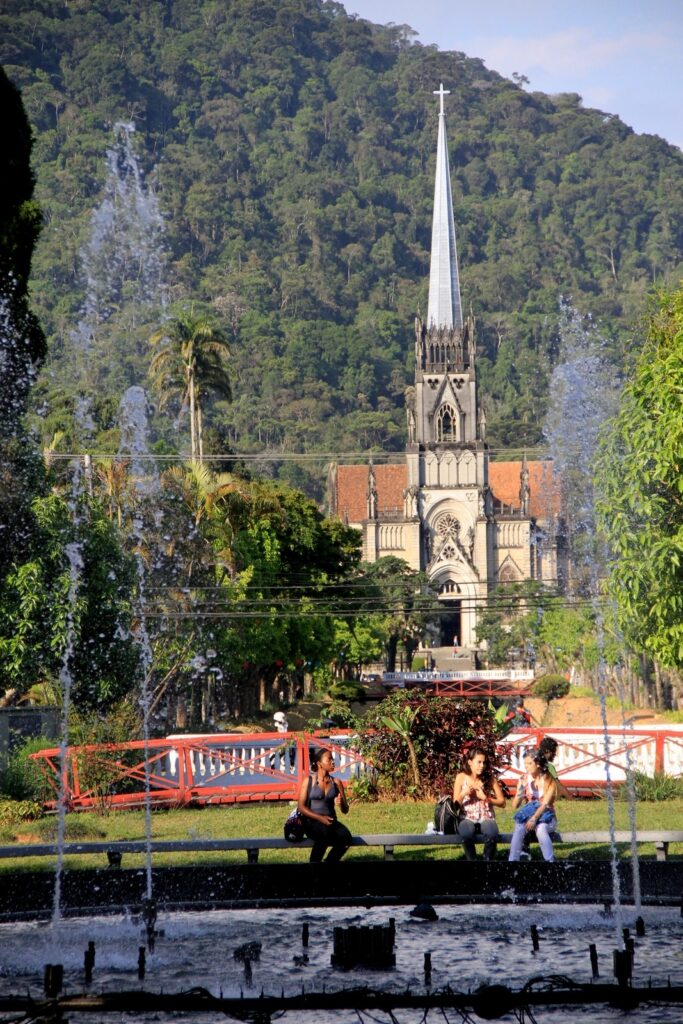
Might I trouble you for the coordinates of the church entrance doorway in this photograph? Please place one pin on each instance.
(449, 627)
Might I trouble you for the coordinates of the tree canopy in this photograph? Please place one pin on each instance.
(290, 149)
(641, 504)
(22, 343)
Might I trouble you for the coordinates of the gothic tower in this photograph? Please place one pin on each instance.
(447, 458)
(437, 510)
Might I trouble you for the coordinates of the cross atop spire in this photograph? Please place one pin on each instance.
(444, 308)
(441, 92)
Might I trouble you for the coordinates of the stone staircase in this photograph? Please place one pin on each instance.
(445, 661)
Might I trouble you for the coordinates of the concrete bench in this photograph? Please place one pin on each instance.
(660, 839)
(389, 841)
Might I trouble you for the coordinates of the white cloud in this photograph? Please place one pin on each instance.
(573, 50)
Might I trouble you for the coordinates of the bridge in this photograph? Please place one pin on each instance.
(241, 768)
(470, 683)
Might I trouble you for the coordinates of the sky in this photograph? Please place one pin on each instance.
(622, 56)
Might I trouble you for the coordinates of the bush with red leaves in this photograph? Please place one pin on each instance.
(442, 731)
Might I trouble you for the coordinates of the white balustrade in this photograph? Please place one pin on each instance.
(580, 756)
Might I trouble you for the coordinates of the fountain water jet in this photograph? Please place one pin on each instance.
(145, 695)
(134, 442)
(123, 260)
(123, 264)
(75, 566)
(583, 395)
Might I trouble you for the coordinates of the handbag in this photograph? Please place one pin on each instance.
(446, 814)
(294, 825)
(524, 813)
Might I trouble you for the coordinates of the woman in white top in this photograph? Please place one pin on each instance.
(478, 792)
(537, 789)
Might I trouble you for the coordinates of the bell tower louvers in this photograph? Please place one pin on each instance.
(447, 458)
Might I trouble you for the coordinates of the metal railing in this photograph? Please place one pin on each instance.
(467, 683)
(185, 770)
(582, 761)
(241, 768)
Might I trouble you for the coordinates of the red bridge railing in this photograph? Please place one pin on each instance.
(468, 683)
(240, 768)
(185, 770)
(582, 763)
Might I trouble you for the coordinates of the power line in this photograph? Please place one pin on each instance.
(290, 456)
(356, 584)
(342, 611)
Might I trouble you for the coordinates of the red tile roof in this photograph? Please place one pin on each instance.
(544, 499)
(351, 494)
(352, 491)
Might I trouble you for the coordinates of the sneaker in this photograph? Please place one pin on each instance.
(524, 855)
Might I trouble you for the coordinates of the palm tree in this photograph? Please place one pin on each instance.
(211, 496)
(113, 476)
(192, 359)
(401, 723)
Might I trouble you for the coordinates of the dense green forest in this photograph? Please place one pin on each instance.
(288, 155)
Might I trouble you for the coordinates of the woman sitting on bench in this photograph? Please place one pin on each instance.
(537, 791)
(317, 807)
(477, 792)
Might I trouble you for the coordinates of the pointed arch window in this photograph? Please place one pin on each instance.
(446, 421)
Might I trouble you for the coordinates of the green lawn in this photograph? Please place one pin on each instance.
(241, 821)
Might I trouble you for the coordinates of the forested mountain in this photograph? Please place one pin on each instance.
(290, 149)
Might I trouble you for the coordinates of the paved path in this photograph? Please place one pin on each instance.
(445, 661)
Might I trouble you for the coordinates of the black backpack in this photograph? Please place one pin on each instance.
(446, 816)
(294, 829)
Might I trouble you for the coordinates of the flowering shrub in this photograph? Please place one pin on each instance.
(417, 744)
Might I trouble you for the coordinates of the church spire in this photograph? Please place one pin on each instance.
(444, 308)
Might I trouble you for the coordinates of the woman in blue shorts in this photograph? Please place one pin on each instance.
(537, 791)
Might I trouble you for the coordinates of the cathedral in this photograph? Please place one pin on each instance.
(448, 508)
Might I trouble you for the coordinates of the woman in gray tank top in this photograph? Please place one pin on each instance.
(318, 804)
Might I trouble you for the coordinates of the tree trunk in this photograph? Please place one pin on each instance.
(411, 646)
(660, 700)
(200, 432)
(207, 703)
(195, 704)
(181, 712)
(392, 647)
(249, 689)
(645, 671)
(193, 425)
(676, 685)
(170, 706)
(413, 762)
